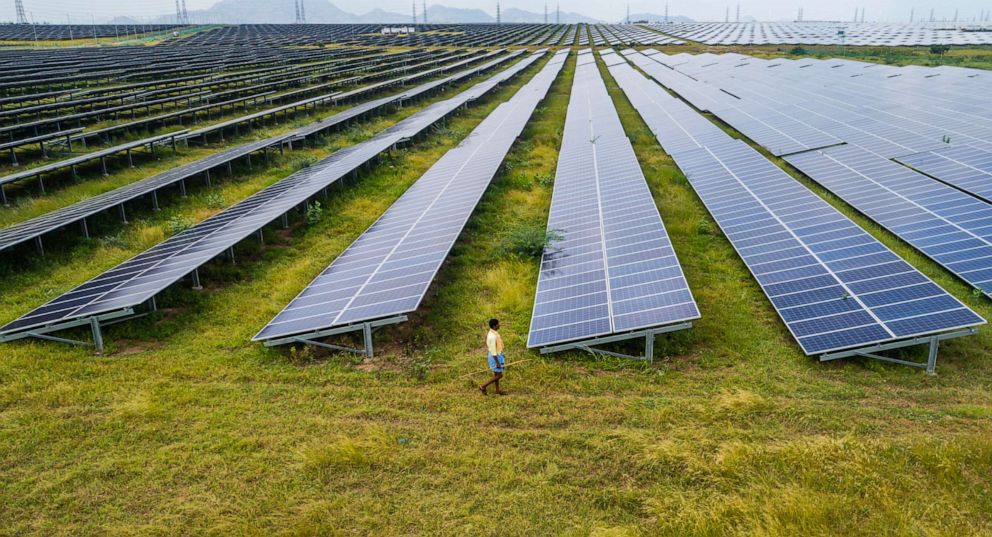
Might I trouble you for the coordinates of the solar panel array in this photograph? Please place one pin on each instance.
(951, 227)
(58, 219)
(928, 119)
(387, 270)
(614, 269)
(834, 285)
(137, 280)
(831, 33)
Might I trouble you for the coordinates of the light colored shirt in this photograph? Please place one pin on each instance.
(494, 342)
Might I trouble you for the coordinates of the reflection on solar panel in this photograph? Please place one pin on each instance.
(951, 227)
(115, 294)
(965, 167)
(387, 270)
(613, 274)
(839, 291)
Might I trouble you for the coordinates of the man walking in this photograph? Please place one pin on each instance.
(494, 354)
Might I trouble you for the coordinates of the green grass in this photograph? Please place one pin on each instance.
(186, 427)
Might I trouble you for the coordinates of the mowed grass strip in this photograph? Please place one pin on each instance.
(190, 428)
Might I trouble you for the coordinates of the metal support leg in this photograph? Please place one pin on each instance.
(154, 200)
(932, 358)
(97, 335)
(285, 220)
(3, 197)
(39, 245)
(196, 280)
(367, 332)
(206, 175)
(261, 238)
(86, 229)
(120, 209)
(41, 182)
(182, 188)
(649, 347)
(130, 160)
(230, 254)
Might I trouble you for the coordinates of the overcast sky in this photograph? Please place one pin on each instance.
(612, 10)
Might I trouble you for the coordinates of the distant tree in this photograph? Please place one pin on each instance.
(939, 50)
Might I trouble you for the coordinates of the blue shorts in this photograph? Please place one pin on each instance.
(497, 362)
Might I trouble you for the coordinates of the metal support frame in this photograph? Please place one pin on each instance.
(649, 334)
(932, 341)
(94, 322)
(367, 328)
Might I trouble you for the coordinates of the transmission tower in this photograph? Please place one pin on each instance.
(545, 13)
(179, 13)
(498, 19)
(185, 13)
(21, 17)
(424, 13)
(628, 12)
(557, 12)
(303, 12)
(296, 5)
(413, 12)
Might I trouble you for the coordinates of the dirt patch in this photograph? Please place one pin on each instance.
(130, 347)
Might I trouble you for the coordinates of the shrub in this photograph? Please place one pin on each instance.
(545, 179)
(797, 51)
(178, 224)
(117, 240)
(314, 213)
(303, 161)
(530, 240)
(216, 201)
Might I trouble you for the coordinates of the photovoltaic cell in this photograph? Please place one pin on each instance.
(614, 269)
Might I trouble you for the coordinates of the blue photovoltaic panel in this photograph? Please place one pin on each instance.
(614, 269)
(834, 285)
(965, 167)
(389, 268)
(951, 227)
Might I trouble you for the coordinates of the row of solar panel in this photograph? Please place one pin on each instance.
(387, 270)
(139, 279)
(834, 285)
(612, 268)
(950, 226)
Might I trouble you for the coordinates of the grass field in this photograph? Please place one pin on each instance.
(186, 427)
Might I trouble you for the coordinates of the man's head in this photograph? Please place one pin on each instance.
(494, 324)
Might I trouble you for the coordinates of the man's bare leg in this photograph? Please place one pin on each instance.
(494, 380)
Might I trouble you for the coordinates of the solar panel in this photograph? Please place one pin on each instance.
(839, 291)
(614, 270)
(951, 227)
(388, 269)
(962, 166)
(116, 292)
